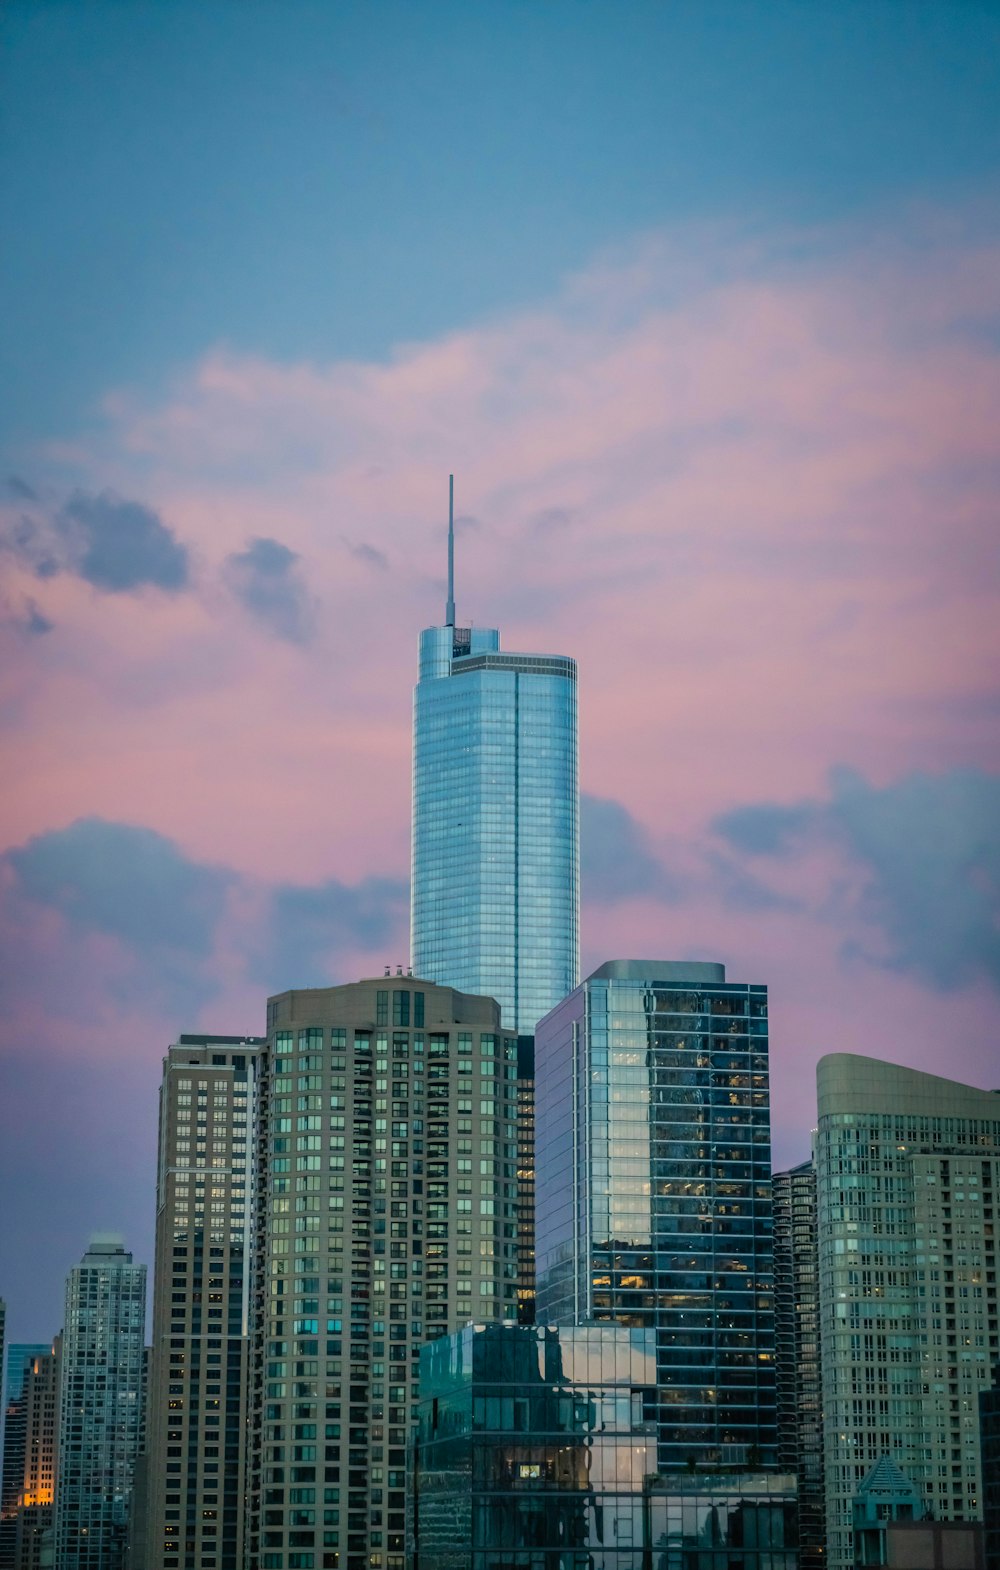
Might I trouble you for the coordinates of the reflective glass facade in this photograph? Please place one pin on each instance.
(495, 864)
(719, 1522)
(653, 1200)
(532, 1448)
(797, 1368)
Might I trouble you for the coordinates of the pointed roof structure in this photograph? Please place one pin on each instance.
(887, 1494)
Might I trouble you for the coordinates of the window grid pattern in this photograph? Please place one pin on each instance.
(652, 1124)
(908, 1170)
(495, 856)
(100, 1407)
(197, 1398)
(388, 1216)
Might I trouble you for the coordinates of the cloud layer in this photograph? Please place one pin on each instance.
(115, 545)
(749, 480)
(265, 578)
(929, 852)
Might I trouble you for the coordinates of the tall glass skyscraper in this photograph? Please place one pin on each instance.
(495, 866)
(653, 1201)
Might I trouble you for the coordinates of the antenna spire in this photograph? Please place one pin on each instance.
(449, 613)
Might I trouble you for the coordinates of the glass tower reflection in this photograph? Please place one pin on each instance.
(653, 1191)
(495, 851)
(533, 1445)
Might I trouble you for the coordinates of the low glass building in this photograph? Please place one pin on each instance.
(533, 1445)
(721, 1521)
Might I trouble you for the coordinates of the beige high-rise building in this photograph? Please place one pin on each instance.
(193, 1475)
(388, 1215)
(908, 1184)
(32, 1548)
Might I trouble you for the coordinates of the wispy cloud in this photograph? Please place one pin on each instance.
(929, 850)
(618, 860)
(267, 581)
(369, 554)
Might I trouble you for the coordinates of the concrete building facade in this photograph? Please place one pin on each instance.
(20, 1356)
(100, 1405)
(799, 1381)
(36, 1501)
(387, 1216)
(194, 1471)
(907, 1176)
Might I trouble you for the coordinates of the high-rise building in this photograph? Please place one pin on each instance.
(989, 1447)
(907, 1181)
(100, 1405)
(387, 1216)
(196, 1415)
(36, 1501)
(798, 1378)
(19, 1360)
(495, 862)
(526, 1179)
(533, 1447)
(653, 1197)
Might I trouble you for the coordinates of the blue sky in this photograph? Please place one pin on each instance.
(329, 180)
(701, 303)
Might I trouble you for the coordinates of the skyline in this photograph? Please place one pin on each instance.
(723, 430)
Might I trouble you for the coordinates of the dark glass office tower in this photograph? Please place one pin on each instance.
(653, 1191)
(797, 1367)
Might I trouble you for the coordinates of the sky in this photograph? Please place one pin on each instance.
(700, 302)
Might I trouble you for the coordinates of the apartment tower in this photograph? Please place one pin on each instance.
(36, 1499)
(495, 852)
(907, 1183)
(387, 1217)
(100, 1405)
(193, 1506)
(20, 1357)
(797, 1369)
(653, 1198)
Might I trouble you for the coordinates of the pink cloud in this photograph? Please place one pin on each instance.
(777, 462)
(750, 481)
(779, 475)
